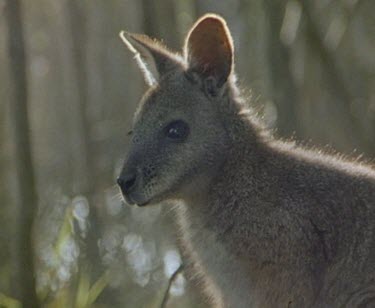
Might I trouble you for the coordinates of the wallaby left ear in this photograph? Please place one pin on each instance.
(152, 57)
(209, 50)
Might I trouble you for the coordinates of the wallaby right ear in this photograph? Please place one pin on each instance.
(209, 50)
(153, 59)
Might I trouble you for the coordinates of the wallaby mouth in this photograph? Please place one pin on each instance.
(129, 186)
(133, 196)
(143, 204)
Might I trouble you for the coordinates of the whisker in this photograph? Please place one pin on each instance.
(114, 186)
(117, 196)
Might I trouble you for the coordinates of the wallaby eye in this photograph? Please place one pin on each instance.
(177, 130)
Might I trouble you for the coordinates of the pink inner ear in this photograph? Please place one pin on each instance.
(210, 49)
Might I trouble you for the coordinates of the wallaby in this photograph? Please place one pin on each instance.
(264, 222)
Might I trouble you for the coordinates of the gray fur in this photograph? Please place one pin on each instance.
(262, 223)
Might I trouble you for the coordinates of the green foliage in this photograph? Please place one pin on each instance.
(84, 296)
(8, 302)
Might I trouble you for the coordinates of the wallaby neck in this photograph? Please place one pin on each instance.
(241, 206)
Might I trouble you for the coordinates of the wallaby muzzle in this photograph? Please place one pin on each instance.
(128, 181)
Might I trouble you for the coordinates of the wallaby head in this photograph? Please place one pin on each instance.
(179, 136)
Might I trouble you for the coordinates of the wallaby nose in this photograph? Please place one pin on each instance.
(127, 181)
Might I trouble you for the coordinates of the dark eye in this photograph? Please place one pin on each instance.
(177, 130)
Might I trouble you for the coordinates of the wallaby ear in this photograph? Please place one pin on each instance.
(209, 49)
(152, 57)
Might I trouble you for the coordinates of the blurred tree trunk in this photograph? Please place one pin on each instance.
(70, 28)
(77, 31)
(76, 21)
(26, 199)
(283, 90)
(160, 21)
(4, 243)
(346, 128)
(5, 206)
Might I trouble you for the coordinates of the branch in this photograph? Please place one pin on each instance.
(170, 282)
(26, 199)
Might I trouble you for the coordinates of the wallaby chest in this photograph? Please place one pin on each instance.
(218, 267)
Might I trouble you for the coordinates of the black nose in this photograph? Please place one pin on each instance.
(127, 181)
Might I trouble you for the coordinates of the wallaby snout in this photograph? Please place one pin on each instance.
(127, 182)
(133, 184)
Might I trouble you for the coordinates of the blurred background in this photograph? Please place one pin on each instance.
(68, 90)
